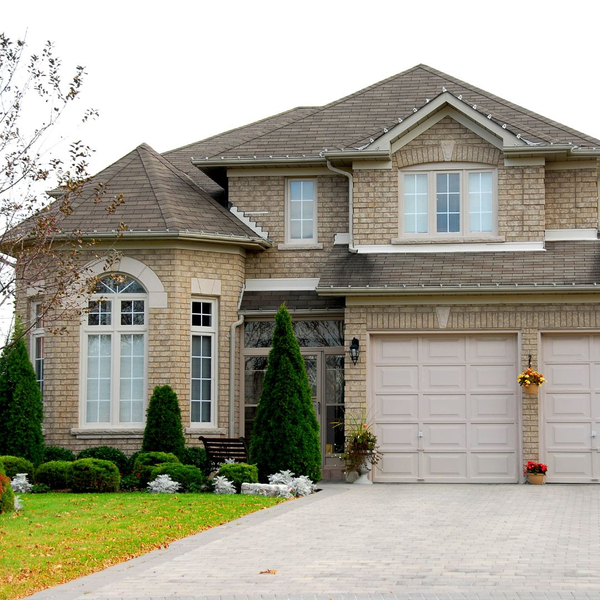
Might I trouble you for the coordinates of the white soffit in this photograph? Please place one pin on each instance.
(566, 235)
(438, 248)
(281, 285)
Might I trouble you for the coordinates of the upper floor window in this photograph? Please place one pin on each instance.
(301, 211)
(37, 343)
(114, 369)
(448, 203)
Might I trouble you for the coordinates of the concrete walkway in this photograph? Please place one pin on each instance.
(381, 542)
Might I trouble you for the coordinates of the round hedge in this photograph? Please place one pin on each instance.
(239, 473)
(56, 474)
(52, 453)
(146, 461)
(191, 478)
(16, 464)
(195, 455)
(114, 455)
(94, 475)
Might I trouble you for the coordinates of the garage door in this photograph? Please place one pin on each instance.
(445, 408)
(570, 407)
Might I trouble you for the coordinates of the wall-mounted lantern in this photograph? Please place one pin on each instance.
(354, 350)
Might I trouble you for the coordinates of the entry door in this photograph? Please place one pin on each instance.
(326, 377)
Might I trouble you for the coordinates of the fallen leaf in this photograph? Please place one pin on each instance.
(268, 572)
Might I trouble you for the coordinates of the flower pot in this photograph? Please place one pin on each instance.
(536, 478)
(531, 389)
(364, 470)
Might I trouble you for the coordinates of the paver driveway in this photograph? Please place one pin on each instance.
(384, 541)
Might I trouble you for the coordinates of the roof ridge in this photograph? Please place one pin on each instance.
(150, 175)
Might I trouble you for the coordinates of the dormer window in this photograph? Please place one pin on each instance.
(459, 201)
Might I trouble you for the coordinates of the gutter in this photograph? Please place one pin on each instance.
(232, 337)
(351, 246)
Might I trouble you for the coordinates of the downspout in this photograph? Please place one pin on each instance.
(234, 326)
(351, 247)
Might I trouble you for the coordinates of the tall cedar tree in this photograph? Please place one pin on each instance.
(163, 432)
(21, 411)
(286, 431)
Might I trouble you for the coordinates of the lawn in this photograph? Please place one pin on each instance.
(59, 537)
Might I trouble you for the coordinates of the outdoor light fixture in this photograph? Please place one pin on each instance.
(354, 350)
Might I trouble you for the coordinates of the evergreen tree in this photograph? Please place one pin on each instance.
(163, 432)
(21, 411)
(285, 434)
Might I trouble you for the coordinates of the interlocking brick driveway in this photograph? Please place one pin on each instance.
(382, 541)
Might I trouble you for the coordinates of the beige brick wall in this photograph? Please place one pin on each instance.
(521, 191)
(572, 199)
(168, 345)
(527, 319)
(264, 193)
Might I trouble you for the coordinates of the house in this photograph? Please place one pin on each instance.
(450, 235)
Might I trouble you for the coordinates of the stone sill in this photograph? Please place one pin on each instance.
(299, 246)
(492, 239)
(94, 434)
(204, 431)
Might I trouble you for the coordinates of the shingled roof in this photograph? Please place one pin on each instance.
(352, 121)
(572, 264)
(158, 198)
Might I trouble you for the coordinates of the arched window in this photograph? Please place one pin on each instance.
(115, 345)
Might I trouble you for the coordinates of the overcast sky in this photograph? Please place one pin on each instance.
(170, 73)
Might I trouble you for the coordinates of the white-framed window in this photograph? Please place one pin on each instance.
(301, 211)
(114, 348)
(448, 201)
(203, 317)
(37, 343)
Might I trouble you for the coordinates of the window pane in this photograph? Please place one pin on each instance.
(98, 379)
(137, 412)
(254, 374)
(415, 203)
(442, 223)
(201, 379)
(295, 190)
(295, 210)
(206, 412)
(296, 229)
(307, 190)
(99, 312)
(132, 375)
(202, 314)
(480, 202)
(448, 202)
(258, 334)
(454, 183)
(116, 283)
(307, 229)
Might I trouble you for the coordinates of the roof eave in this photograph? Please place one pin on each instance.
(549, 150)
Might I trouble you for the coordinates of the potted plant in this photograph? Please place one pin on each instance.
(531, 380)
(361, 451)
(536, 472)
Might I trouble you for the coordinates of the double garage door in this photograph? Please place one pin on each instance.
(444, 407)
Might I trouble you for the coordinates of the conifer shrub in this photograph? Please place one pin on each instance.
(52, 453)
(107, 453)
(131, 461)
(94, 475)
(56, 474)
(146, 461)
(21, 411)
(195, 455)
(190, 477)
(7, 496)
(239, 473)
(163, 431)
(285, 435)
(16, 464)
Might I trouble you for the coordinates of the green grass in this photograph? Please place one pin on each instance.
(59, 537)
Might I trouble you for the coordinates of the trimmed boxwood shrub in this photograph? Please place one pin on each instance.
(52, 453)
(239, 473)
(94, 475)
(131, 461)
(16, 464)
(163, 431)
(56, 474)
(188, 476)
(107, 453)
(146, 461)
(195, 455)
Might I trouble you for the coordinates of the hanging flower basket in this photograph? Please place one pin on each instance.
(531, 381)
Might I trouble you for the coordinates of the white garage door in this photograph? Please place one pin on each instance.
(570, 407)
(445, 407)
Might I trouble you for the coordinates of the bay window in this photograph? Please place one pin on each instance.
(203, 329)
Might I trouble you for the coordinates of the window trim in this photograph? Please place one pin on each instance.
(213, 333)
(314, 241)
(115, 330)
(432, 170)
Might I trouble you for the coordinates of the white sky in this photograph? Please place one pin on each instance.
(170, 73)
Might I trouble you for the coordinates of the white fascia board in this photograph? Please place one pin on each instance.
(438, 248)
(445, 100)
(568, 235)
(281, 285)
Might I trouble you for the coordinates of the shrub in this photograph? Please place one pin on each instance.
(40, 488)
(223, 485)
(7, 496)
(94, 475)
(130, 483)
(239, 473)
(20, 485)
(52, 453)
(16, 464)
(114, 455)
(21, 411)
(163, 431)
(196, 456)
(56, 474)
(163, 484)
(185, 475)
(285, 434)
(131, 461)
(146, 461)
